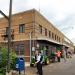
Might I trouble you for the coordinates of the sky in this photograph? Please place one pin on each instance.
(61, 13)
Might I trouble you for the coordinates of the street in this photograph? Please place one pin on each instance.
(62, 68)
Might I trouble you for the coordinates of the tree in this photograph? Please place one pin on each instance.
(13, 57)
(4, 59)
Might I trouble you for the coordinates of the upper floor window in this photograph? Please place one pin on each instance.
(49, 33)
(59, 39)
(21, 28)
(52, 35)
(55, 36)
(40, 27)
(45, 32)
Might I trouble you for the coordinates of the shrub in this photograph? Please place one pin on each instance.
(4, 58)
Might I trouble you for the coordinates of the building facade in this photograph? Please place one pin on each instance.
(31, 31)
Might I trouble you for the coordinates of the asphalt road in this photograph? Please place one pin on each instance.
(62, 68)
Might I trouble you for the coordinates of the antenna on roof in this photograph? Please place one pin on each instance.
(39, 5)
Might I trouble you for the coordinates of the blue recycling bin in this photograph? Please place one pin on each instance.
(20, 64)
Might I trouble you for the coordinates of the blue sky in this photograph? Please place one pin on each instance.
(59, 12)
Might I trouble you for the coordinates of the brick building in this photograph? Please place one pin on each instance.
(32, 31)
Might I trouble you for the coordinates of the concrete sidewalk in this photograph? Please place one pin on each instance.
(29, 70)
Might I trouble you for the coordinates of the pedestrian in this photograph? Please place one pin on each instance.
(69, 54)
(58, 55)
(39, 61)
(64, 55)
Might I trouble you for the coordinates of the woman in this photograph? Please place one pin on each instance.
(58, 54)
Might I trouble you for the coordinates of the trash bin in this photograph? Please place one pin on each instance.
(20, 64)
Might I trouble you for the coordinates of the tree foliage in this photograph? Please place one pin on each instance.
(4, 57)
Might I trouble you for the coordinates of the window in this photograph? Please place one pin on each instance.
(45, 32)
(55, 36)
(59, 39)
(49, 33)
(7, 30)
(20, 49)
(52, 35)
(21, 28)
(40, 27)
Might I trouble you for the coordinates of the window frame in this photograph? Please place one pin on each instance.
(21, 28)
(40, 28)
(20, 49)
(45, 32)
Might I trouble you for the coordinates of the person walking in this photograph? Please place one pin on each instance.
(58, 54)
(39, 62)
(64, 55)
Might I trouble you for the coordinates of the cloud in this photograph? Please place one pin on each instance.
(60, 12)
(67, 26)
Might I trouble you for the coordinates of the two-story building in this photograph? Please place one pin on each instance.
(31, 31)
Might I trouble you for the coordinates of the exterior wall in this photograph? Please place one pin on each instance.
(19, 38)
(21, 18)
(26, 49)
(40, 20)
(67, 42)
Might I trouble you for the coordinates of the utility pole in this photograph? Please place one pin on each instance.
(9, 35)
(4, 15)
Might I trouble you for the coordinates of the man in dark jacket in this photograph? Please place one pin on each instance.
(39, 62)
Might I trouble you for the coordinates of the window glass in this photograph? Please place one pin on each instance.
(21, 28)
(40, 27)
(20, 49)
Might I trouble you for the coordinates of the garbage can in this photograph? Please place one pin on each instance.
(20, 64)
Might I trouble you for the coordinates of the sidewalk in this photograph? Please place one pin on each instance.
(30, 70)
